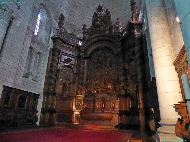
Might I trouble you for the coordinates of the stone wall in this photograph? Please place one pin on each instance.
(175, 29)
(15, 45)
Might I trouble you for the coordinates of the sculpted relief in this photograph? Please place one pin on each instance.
(102, 72)
(64, 82)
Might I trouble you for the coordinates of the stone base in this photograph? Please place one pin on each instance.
(167, 134)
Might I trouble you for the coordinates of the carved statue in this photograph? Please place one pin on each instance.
(117, 26)
(84, 31)
(134, 17)
(101, 24)
(61, 23)
(108, 17)
(97, 17)
(183, 123)
(101, 21)
(107, 20)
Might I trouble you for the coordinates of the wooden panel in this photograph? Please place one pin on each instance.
(16, 110)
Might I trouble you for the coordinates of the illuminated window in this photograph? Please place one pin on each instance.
(37, 24)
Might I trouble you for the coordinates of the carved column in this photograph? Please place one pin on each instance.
(48, 108)
(181, 66)
(167, 81)
(140, 73)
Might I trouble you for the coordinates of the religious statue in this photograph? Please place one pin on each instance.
(108, 17)
(97, 19)
(61, 23)
(101, 24)
(117, 26)
(107, 20)
(84, 31)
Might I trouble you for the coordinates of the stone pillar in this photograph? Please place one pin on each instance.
(167, 81)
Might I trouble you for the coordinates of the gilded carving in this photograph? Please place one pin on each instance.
(181, 66)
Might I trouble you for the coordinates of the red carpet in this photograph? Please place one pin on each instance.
(65, 135)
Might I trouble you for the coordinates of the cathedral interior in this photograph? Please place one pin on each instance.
(94, 70)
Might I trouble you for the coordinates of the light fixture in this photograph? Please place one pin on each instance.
(124, 33)
(80, 43)
(177, 19)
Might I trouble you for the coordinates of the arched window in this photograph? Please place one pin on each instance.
(43, 26)
(37, 24)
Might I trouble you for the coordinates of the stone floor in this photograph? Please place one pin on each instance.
(136, 136)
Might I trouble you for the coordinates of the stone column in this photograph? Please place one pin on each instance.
(167, 81)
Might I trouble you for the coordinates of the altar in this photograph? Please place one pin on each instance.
(87, 81)
(102, 110)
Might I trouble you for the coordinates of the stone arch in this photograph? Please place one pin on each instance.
(101, 41)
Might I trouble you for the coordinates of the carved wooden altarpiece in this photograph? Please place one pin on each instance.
(181, 65)
(87, 83)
